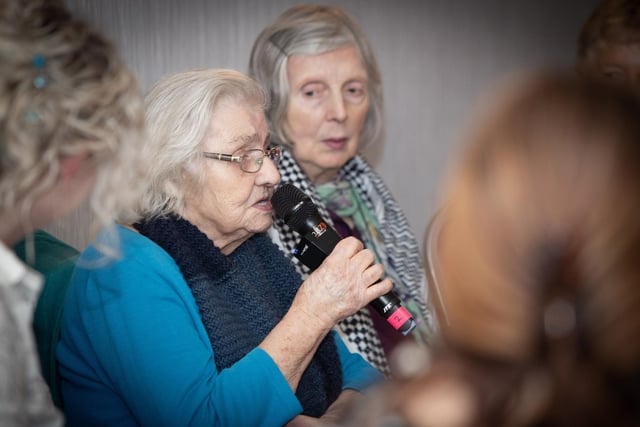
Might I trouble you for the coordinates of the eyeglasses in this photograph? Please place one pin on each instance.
(251, 160)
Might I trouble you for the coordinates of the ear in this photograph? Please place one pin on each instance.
(71, 165)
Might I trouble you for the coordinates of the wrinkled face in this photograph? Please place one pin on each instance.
(327, 107)
(617, 64)
(232, 205)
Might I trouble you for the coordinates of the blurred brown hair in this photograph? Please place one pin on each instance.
(538, 257)
(614, 22)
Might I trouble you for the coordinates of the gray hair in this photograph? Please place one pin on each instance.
(311, 30)
(179, 111)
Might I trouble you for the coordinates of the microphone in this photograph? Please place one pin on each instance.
(297, 210)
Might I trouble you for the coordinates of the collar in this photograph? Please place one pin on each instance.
(12, 270)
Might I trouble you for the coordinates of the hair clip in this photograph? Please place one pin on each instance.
(39, 62)
(40, 81)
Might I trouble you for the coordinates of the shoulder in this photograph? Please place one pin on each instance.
(121, 245)
(122, 253)
(49, 251)
(133, 269)
(359, 172)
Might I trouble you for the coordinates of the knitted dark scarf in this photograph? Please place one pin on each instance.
(241, 297)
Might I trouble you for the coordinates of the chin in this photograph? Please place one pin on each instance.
(344, 156)
(336, 165)
(263, 225)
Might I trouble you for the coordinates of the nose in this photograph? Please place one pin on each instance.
(336, 108)
(268, 173)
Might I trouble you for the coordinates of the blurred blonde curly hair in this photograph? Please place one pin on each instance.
(90, 104)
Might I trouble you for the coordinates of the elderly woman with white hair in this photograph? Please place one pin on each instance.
(203, 321)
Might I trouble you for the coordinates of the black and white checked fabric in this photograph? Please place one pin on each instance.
(400, 244)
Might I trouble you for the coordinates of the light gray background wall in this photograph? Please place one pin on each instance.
(438, 59)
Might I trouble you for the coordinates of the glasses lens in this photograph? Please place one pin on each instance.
(252, 161)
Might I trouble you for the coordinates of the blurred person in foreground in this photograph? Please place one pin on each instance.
(609, 44)
(535, 258)
(69, 110)
(204, 321)
(326, 105)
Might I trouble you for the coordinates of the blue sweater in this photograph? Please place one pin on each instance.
(134, 351)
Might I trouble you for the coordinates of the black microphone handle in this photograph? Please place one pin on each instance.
(319, 239)
(318, 243)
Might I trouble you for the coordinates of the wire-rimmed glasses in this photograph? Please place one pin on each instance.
(250, 161)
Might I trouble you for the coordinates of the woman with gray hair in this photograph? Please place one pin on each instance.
(326, 104)
(203, 321)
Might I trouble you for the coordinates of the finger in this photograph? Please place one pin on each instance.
(348, 247)
(363, 259)
(373, 273)
(378, 289)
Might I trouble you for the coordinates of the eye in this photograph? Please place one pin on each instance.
(355, 92)
(313, 90)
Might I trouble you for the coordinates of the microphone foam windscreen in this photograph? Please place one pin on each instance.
(293, 206)
(285, 198)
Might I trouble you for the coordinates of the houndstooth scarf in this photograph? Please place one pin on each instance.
(402, 260)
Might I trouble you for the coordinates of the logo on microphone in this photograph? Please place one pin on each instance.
(319, 229)
(300, 252)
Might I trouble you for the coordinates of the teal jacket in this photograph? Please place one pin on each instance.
(134, 351)
(55, 260)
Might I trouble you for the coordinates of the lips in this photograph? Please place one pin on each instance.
(264, 203)
(336, 142)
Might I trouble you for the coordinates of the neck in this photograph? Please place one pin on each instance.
(227, 243)
(12, 228)
(319, 176)
(228, 247)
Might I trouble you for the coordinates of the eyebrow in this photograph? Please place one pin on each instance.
(250, 139)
